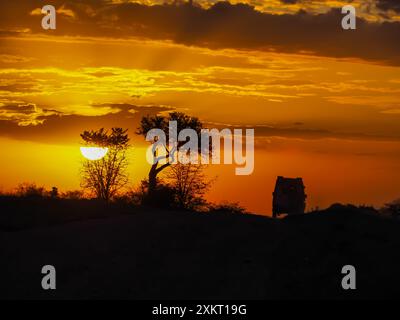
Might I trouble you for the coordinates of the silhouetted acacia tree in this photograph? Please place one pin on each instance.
(190, 184)
(106, 176)
(162, 122)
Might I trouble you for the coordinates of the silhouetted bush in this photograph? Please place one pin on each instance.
(227, 207)
(54, 193)
(163, 196)
(5, 194)
(167, 196)
(73, 195)
(137, 195)
(30, 190)
(392, 209)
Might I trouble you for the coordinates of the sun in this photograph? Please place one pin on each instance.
(94, 153)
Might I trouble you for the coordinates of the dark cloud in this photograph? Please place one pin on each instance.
(18, 87)
(62, 128)
(126, 107)
(389, 5)
(298, 131)
(290, 1)
(304, 1)
(223, 25)
(313, 134)
(19, 108)
(102, 74)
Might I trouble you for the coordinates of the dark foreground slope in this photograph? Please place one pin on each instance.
(139, 254)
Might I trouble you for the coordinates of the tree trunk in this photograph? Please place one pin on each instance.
(154, 171)
(152, 179)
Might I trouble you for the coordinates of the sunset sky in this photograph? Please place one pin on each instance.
(324, 102)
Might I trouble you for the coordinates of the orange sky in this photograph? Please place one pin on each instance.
(328, 113)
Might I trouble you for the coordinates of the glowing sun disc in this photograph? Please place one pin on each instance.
(93, 153)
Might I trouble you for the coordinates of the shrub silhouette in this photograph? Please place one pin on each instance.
(54, 193)
(227, 207)
(73, 195)
(30, 190)
(163, 196)
(392, 208)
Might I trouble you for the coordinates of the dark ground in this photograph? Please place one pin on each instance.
(136, 253)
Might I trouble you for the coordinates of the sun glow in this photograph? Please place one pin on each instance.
(94, 153)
